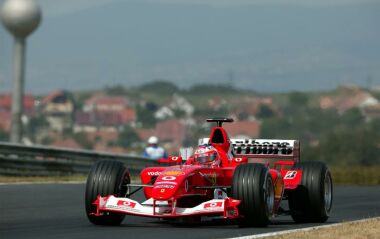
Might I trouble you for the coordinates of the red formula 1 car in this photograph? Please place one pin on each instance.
(243, 179)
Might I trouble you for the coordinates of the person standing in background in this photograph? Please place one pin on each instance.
(153, 151)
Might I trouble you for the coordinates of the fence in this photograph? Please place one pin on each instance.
(21, 160)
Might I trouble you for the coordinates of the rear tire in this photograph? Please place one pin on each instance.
(105, 178)
(311, 201)
(253, 185)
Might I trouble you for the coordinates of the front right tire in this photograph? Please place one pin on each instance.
(106, 177)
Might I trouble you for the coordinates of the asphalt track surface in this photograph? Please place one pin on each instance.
(57, 211)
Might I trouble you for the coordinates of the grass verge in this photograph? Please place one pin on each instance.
(353, 230)
(356, 175)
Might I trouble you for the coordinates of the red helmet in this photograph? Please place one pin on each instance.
(206, 154)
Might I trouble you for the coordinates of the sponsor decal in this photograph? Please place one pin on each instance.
(168, 186)
(174, 158)
(213, 205)
(169, 178)
(173, 183)
(212, 177)
(162, 190)
(156, 173)
(290, 174)
(126, 203)
(173, 173)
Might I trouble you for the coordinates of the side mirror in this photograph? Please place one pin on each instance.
(171, 160)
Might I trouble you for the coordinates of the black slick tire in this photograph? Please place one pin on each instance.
(106, 177)
(311, 201)
(252, 184)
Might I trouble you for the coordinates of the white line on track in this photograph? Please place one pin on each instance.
(263, 235)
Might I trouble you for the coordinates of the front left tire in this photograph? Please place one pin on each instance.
(253, 185)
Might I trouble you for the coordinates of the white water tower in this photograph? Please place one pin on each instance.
(20, 18)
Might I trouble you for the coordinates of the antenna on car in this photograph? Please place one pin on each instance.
(219, 120)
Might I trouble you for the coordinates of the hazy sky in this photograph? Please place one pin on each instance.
(266, 45)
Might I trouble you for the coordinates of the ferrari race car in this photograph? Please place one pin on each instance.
(241, 179)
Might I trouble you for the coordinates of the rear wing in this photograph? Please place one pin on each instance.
(266, 148)
(263, 148)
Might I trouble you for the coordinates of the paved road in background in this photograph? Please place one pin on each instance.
(57, 211)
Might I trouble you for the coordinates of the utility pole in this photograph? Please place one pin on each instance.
(20, 18)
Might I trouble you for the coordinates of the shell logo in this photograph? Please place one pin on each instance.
(173, 173)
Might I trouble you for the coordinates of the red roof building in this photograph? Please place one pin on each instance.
(108, 111)
(346, 102)
(128, 115)
(6, 103)
(106, 103)
(171, 130)
(5, 121)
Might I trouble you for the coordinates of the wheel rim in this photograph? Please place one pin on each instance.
(328, 192)
(124, 189)
(269, 195)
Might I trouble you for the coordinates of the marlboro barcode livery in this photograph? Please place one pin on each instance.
(242, 179)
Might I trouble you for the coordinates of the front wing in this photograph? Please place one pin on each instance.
(226, 207)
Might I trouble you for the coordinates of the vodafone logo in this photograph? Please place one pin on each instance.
(126, 203)
(154, 173)
(169, 178)
(213, 205)
(238, 160)
(174, 158)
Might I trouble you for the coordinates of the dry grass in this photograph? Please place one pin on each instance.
(356, 175)
(355, 230)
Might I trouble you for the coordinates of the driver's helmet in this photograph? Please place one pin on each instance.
(206, 155)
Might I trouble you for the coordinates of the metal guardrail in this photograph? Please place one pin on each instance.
(21, 160)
